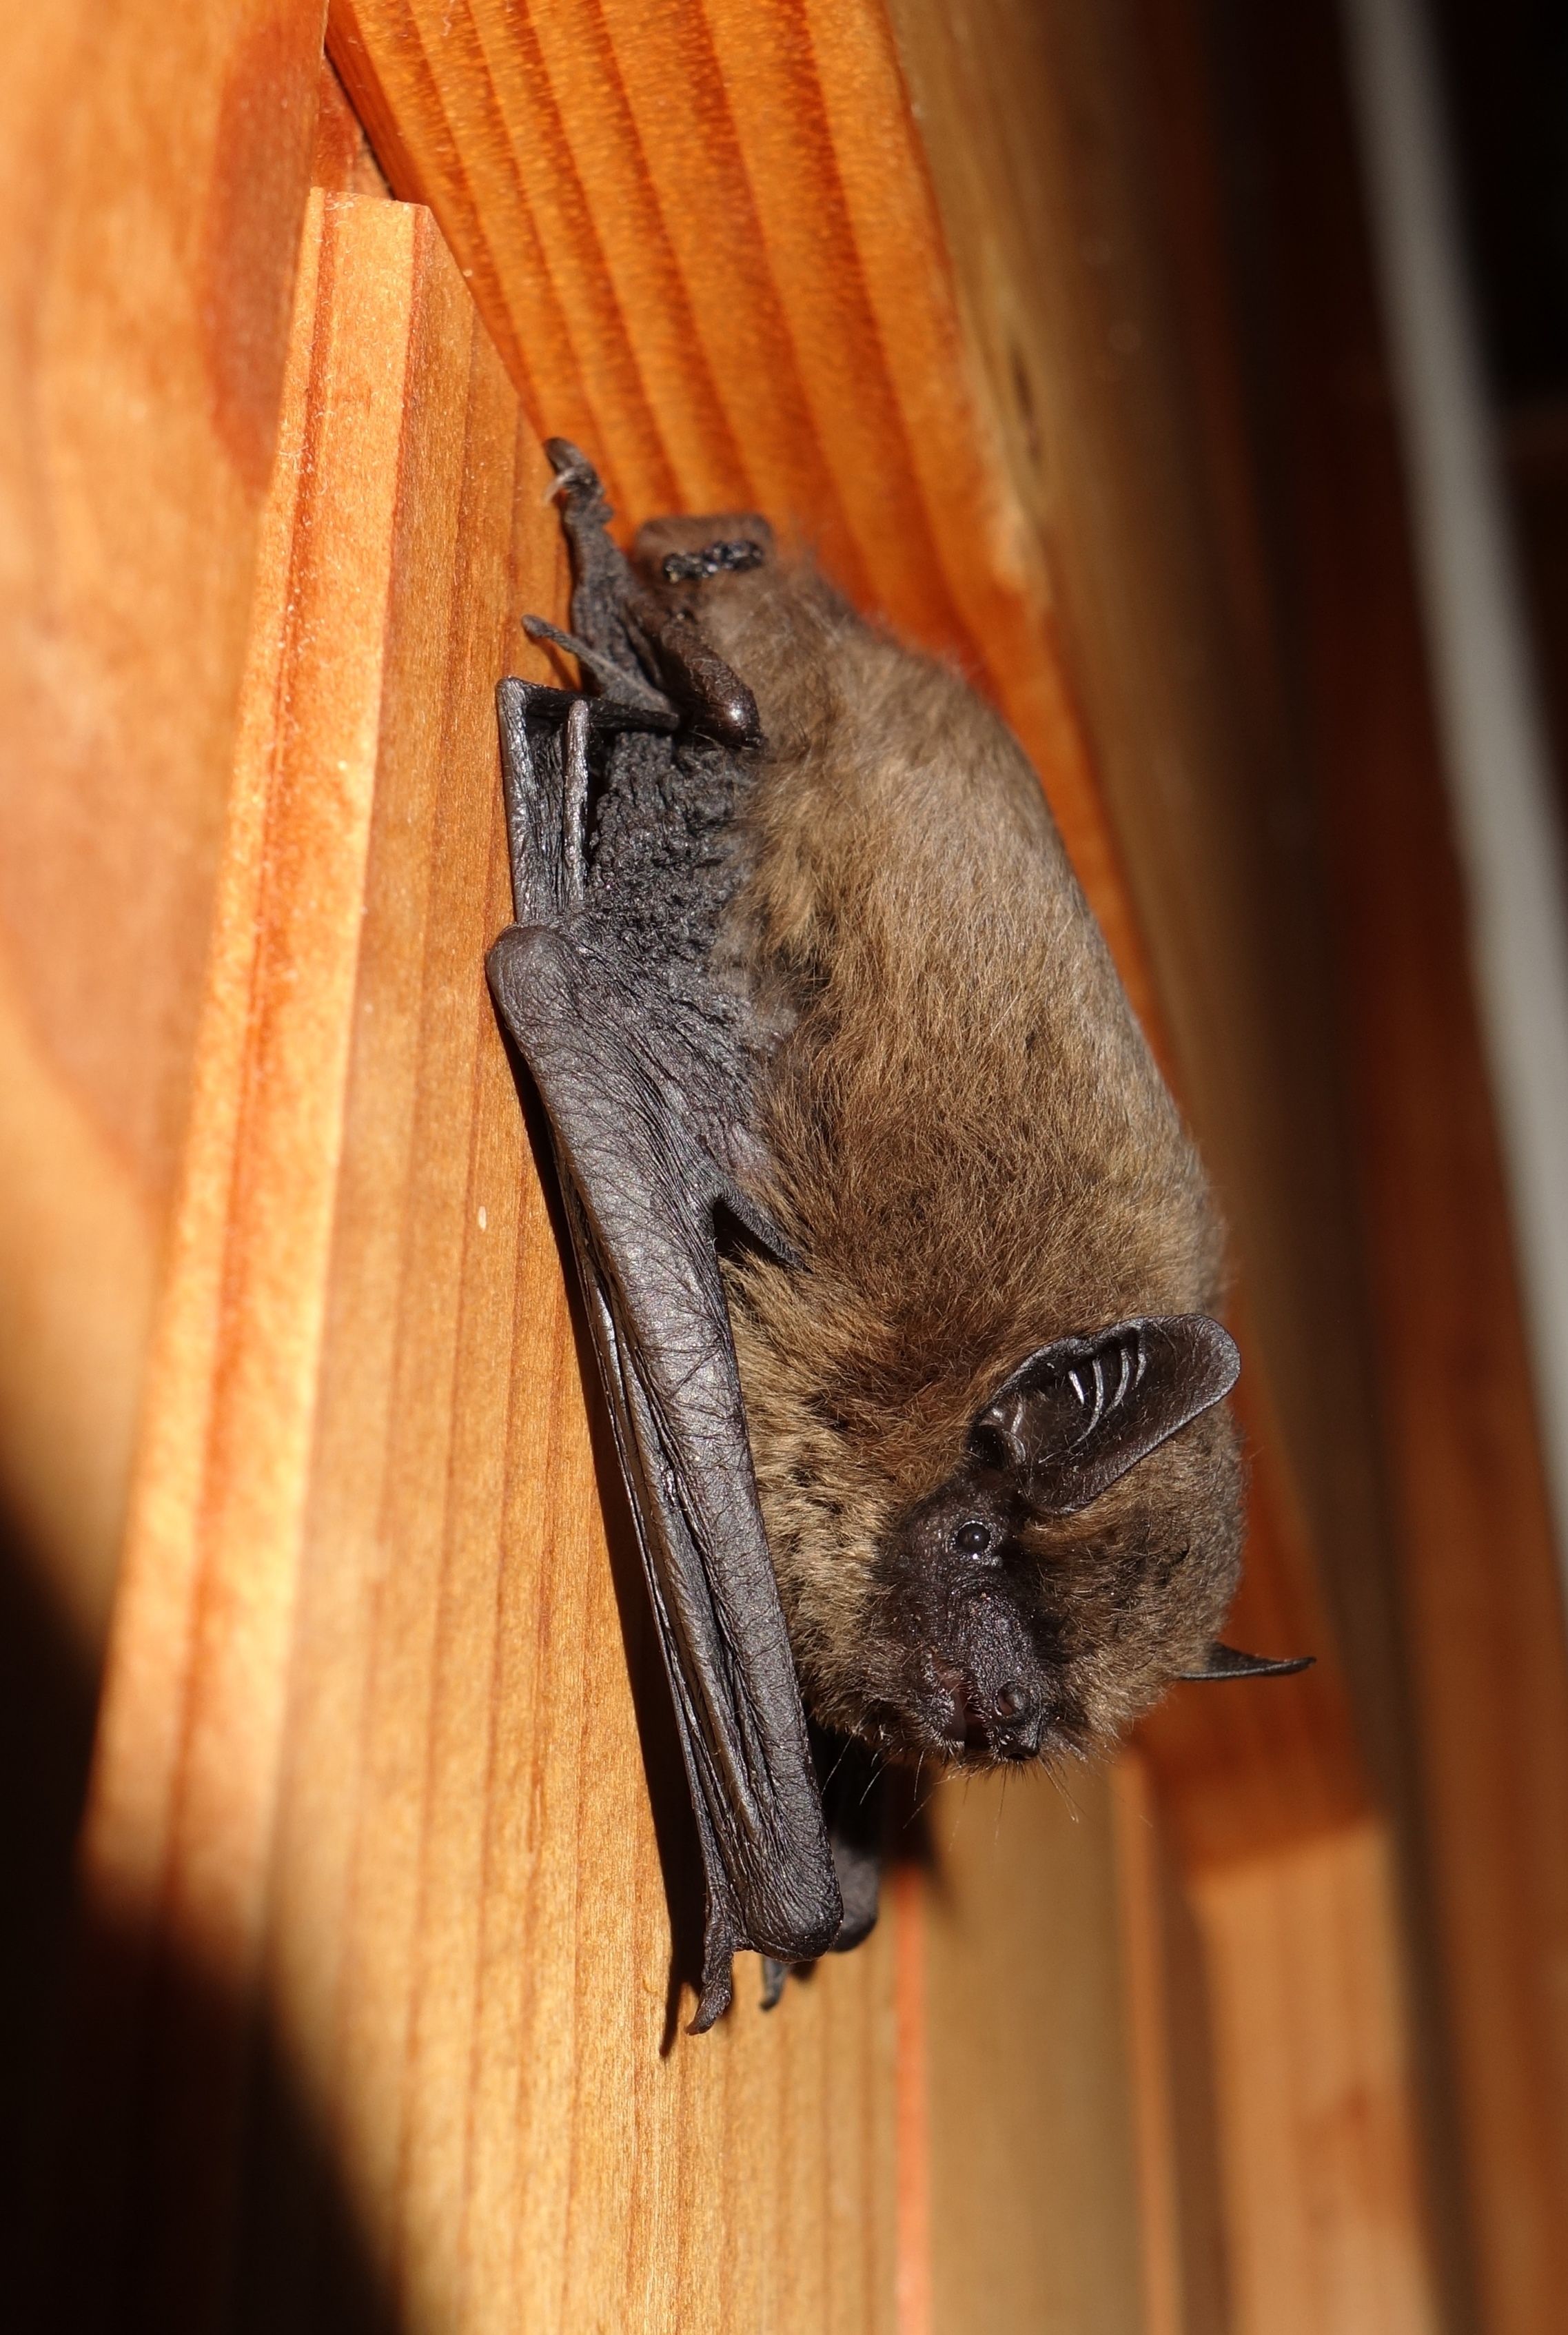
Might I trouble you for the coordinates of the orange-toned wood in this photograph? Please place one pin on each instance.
(1315, 2094)
(704, 243)
(1150, 2040)
(380, 1947)
(1036, 2219)
(1482, 1625)
(153, 170)
(905, 1891)
(343, 162)
(1185, 2272)
(706, 240)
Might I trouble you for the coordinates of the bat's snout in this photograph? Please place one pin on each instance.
(1006, 1721)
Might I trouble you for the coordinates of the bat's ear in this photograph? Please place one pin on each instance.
(1080, 1413)
(1230, 1662)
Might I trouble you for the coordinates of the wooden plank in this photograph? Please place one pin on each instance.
(1186, 2267)
(383, 1949)
(153, 170)
(765, 312)
(1316, 2108)
(1483, 1624)
(1033, 2165)
(343, 162)
(906, 1888)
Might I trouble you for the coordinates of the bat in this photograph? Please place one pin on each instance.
(898, 1263)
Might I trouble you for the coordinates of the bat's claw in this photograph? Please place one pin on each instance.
(575, 474)
(718, 1993)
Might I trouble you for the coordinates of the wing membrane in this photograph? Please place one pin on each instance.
(640, 1193)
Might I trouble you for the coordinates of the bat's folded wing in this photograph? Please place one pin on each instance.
(640, 1192)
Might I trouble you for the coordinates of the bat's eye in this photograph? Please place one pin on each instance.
(973, 1540)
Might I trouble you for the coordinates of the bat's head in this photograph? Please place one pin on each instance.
(1080, 1556)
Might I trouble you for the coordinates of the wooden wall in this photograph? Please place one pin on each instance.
(386, 1883)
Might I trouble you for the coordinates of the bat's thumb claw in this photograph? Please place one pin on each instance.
(718, 1993)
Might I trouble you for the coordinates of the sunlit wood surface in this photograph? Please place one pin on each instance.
(371, 1857)
(153, 170)
(988, 461)
(706, 243)
(377, 2019)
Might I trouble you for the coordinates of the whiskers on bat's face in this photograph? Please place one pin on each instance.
(998, 1634)
(1080, 1555)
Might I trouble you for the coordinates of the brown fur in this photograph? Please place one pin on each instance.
(970, 1142)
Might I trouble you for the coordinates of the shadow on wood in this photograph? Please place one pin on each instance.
(47, 1698)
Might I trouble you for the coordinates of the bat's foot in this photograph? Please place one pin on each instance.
(774, 1977)
(601, 582)
(619, 682)
(577, 484)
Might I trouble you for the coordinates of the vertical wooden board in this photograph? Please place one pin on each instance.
(1483, 1637)
(775, 316)
(1036, 2217)
(1313, 2066)
(153, 171)
(1185, 2280)
(372, 1823)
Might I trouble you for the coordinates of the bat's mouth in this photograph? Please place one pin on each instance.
(1004, 1720)
(953, 1716)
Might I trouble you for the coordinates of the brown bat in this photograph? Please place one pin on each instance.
(899, 1263)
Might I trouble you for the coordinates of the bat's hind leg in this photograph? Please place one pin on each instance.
(602, 590)
(602, 580)
(545, 782)
(625, 686)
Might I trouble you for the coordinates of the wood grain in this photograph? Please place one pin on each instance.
(1315, 2080)
(153, 168)
(382, 1948)
(1184, 2253)
(383, 1951)
(1033, 2164)
(341, 162)
(703, 242)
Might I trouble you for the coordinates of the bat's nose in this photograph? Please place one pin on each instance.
(1004, 1723)
(1014, 1722)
